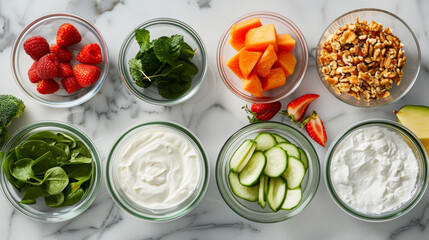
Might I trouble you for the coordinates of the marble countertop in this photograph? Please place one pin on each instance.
(213, 114)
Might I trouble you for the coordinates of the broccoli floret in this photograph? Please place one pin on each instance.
(10, 107)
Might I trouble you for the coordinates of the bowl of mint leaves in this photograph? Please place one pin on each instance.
(163, 61)
(50, 171)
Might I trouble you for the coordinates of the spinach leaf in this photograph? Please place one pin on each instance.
(78, 160)
(55, 180)
(78, 171)
(35, 148)
(22, 169)
(80, 149)
(64, 147)
(55, 201)
(31, 194)
(186, 52)
(43, 163)
(65, 138)
(183, 67)
(44, 135)
(73, 194)
(173, 87)
(167, 49)
(7, 169)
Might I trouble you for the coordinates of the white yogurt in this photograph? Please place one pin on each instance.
(158, 169)
(374, 170)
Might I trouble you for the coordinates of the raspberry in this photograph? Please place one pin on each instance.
(63, 54)
(86, 75)
(67, 35)
(90, 53)
(70, 84)
(65, 70)
(36, 47)
(32, 73)
(47, 66)
(47, 86)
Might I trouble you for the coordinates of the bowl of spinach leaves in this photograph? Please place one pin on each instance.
(50, 171)
(163, 61)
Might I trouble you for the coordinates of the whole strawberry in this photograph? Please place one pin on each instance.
(90, 53)
(315, 129)
(263, 111)
(65, 70)
(67, 35)
(47, 86)
(32, 73)
(70, 84)
(36, 47)
(63, 54)
(47, 66)
(86, 75)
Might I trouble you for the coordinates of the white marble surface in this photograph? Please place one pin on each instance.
(213, 114)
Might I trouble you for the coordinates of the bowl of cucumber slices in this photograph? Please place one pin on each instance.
(267, 172)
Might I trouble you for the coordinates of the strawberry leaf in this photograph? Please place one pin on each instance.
(252, 118)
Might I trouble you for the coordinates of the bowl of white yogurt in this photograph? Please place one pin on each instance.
(157, 171)
(376, 170)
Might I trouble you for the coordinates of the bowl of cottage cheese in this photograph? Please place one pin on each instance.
(157, 171)
(376, 170)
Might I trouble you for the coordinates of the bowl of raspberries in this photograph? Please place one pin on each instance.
(60, 60)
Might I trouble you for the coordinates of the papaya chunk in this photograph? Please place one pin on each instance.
(285, 42)
(252, 84)
(258, 39)
(233, 64)
(268, 58)
(276, 78)
(239, 30)
(287, 61)
(247, 61)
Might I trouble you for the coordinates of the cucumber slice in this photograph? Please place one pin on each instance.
(279, 139)
(266, 186)
(246, 193)
(264, 141)
(293, 198)
(250, 174)
(261, 197)
(276, 193)
(291, 149)
(277, 161)
(294, 173)
(304, 158)
(243, 153)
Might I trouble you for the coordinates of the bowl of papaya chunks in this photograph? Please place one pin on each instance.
(262, 57)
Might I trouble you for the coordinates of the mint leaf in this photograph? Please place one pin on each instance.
(167, 49)
(150, 63)
(136, 69)
(174, 87)
(186, 52)
(142, 36)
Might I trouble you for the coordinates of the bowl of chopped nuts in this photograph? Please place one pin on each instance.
(368, 58)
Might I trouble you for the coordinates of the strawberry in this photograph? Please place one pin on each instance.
(70, 84)
(63, 54)
(36, 47)
(32, 73)
(90, 53)
(67, 35)
(47, 86)
(85, 74)
(47, 66)
(262, 111)
(315, 129)
(296, 108)
(65, 70)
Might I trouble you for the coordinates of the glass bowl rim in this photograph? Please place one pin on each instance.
(81, 99)
(378, 11)
(177, 213)
(123, 63)
(391, 215)
(90, 196)
(224, 39)
(274, 124)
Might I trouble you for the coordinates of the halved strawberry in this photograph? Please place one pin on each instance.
(315, 129)
(296, 108)
(262, 111)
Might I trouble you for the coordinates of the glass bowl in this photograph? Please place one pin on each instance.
(420, 185)
(159, 27)
(283, 25)
(251, 210)
(399, 29)
(40, 211)
(47, 26)
(161, 214)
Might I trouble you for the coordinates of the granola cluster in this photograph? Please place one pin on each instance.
(363, 59)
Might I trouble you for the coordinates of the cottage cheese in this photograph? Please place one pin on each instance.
(374, 170)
